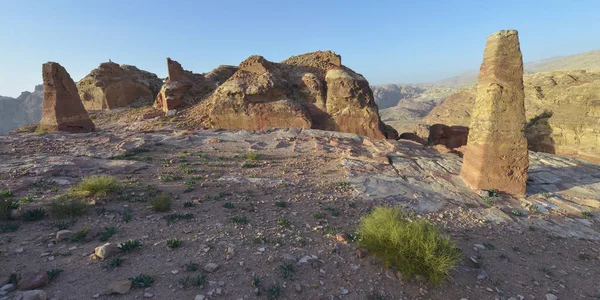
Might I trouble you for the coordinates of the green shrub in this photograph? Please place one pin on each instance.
(96, 186)
(6, 205)
(129, 245)
(34, 214)
(412, 246)
(161, 203)
(173, 243)
(53, 273)
(142, 280)
(65, 206)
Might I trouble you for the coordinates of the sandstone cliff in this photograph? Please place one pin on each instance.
(111, 85)
(25, 109)
(563, 109)
(312, 90)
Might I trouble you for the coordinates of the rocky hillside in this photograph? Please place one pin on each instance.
(563, 108)
(25, 109)
(112, 85)
(312, 90)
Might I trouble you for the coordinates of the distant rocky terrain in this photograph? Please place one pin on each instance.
(563, 109)
(25, 109)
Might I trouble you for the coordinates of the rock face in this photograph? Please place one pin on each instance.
(25, 109)
(496, 156)
(312, 90)
(184, 87)
(570, 126)
(62, 108)
(449, 136)
(112, 85)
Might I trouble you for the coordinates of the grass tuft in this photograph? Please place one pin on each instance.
(34, 214)
(142, 281)
(53, 273)
(161, 203)
(96, 186)
(130, 245)
(412, 246)
(65, 206)
(173, 243)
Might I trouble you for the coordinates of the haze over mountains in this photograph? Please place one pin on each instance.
(404, 105)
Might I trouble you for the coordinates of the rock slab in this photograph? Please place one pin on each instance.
(62, 109)
(496, 156)
(33, 280)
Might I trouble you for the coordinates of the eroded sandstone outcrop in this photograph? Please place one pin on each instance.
(62, 109)
(496, 154)
(312, 90)
(112, 85)
(186, 88)
(25, 109)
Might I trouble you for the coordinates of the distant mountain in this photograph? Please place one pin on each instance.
(25, 109)
(583, 61)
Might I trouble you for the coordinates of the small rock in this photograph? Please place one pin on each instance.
(19, 250)
(261, 249)
(118, 287)
(96, 296)
(344, 291)
(200, 297)
(8, 287)
(171, 112)
(64, 235)
(174, 272)
(148, 295)
(479, 246)
(298, 287)
(35, 295)
(482, 275)
(34, 280)
(105, 250)
(210, 267)
(551, 297)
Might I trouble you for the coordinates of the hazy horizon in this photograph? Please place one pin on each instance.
(387, 42)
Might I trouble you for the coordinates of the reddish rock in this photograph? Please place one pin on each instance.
(496, 156)
(186, 88)
(34, 280)
(312, 90)
(112, 85)
(62, 109)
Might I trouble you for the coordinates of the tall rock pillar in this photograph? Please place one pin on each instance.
(496, 156)
(62, 109)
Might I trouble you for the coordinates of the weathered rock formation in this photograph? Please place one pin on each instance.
(312, 90)
(25, 109)
(496, 156)
(112, 85)
(572, 128)
(186, 88)
(62, 109)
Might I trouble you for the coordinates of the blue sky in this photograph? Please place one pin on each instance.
(387, 41)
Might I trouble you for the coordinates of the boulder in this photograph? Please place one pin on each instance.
(112, 85)
(62, 109)
(34, 280)
(449, 136)
(496, 155)
(312, 90)
(186, 88)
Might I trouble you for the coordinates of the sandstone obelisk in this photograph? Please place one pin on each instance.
(496, 156)
(62, 109)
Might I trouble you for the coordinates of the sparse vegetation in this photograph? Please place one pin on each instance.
(161, 203)
(274, 292)
(107, 233)
(238, 220)
(516, 212)
(9, 227)
(129, 245)
(228, 205)
(177, 217)
(344, 185)
(191, 267)
(79, 236)
(66, 206)
(6, 205)
(141, 281)
(318, 215)
(283, 222)
(252, 155)
(34, 214)
(115, 262)
(188, 204)
(169, 178)
(411, 246)
(281, 204)
(287, 271)
(96, 186)
(127, 217)
(52, 274)
(62, 225)
(587, 214)
(173, 243)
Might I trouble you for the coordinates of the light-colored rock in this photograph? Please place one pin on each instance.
(551, 297)
(496, 155)
(64, 235)
(33, 280)
(35, 295)
(200, 297)
(105, 250)
(62, 108)
(211, 267)
(118, 287)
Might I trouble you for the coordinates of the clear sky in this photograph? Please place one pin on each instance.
(387, 41)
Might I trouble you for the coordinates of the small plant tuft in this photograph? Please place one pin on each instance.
(228, 205)
(238, 220)
(107, 233)
(173, 243)
(161, 203)
(142, 281)
(34, 214)
(96, 186)
(130, 245)
(281, 204)
(283, 222)
(177, 217)
(65, 206)
(52, 274)
(587, 214)
(412, 246)
(287, 271)
(188, 204)
(115, 262)
(191, 267)
(9, 227)
(127, 217)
